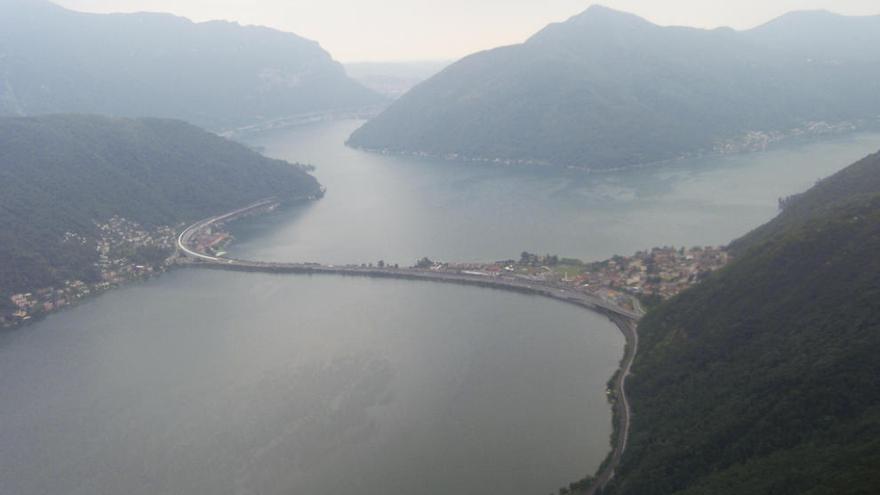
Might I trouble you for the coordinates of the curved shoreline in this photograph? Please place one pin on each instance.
(732, 146)
(625, 320)
(621, 405)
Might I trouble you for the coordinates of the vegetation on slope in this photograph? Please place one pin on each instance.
(765, 378)
(857, 182)
(215, 74)
(607, 89)
(62, 174)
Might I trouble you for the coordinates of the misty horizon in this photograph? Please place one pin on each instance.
(401, 32)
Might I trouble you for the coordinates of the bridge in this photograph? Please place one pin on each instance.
(625, 319)
(183, 240)
(504, 282)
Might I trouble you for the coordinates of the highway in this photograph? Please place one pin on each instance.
(185, 236)
(625, 319)
(621, 405)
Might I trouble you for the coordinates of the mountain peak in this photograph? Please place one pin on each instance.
(809, 14)
(597, 18)
(813, 19)
(601, 11)
(605, 16)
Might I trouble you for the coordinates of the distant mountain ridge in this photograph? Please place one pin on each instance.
(63, 174)
(607, 89)
(216, 74)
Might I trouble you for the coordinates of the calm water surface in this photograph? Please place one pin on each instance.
(225, 383)
(221, 383)
(402, 208)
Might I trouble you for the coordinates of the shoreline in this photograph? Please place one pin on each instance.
(172, 261)
(22, 324)
(790, 137)
(627, 325)
(626, 321)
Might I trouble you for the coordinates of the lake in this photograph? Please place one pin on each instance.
(233, 383)
(403, 208)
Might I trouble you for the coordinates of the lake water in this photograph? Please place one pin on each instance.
(228, 383)
(401, 208)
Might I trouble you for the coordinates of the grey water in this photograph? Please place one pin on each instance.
(228, 383)
(215, 383)
(399, 209)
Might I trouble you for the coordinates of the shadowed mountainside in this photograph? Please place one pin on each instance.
(764, 378)
(214, 74)
(607, 89)
(64, 173)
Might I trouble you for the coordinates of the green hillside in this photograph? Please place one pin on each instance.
(857, 182)
(607, 89)
(765, 378)
(61, 174)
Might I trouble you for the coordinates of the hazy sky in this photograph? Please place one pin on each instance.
(384, 30)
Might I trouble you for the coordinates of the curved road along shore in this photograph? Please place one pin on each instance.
(626, 320)
(621, 405)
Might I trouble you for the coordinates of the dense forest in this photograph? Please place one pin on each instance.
(62, 174)
(764, 379)
(607, 89)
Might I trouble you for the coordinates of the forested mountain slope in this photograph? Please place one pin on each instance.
(857, 182)
(765, 379)
(62, 174)
(607, 89)
(214, 74)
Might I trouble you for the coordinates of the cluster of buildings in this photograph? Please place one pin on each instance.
(210, 240)
(659, 272)
(125, 251)
(662, 272)
(760, 140)
(46, 300)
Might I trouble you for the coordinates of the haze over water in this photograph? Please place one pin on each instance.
(403, 208)
(214, 382)
(225, 383)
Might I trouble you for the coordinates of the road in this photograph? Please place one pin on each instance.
(185, 236)
(622, 408)
(625, 319)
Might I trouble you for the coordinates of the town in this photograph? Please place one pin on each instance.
(646, 277)
(124, 251)
(127, 251)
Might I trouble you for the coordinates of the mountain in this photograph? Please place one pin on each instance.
(607, 89)
(764, 379)
(215, 74)
(61, 174)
